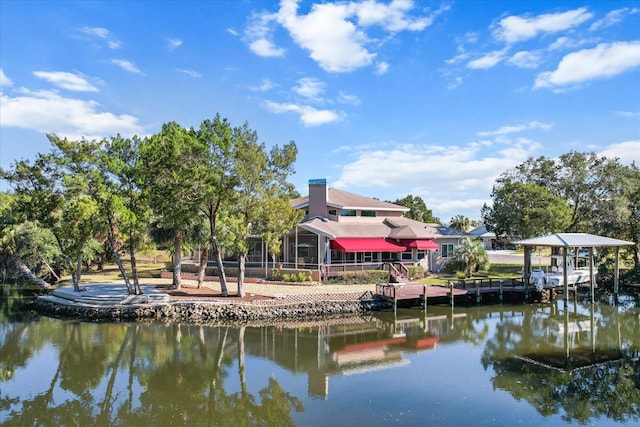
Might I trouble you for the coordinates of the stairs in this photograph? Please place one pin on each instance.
(398, 273)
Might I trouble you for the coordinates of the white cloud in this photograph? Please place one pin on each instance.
(605, 60)
(382, 68)
(525, 59)
(437, 174)
(393, 16)
(102, 33)
(264, 47)
(68, 81)
(627, 152)
(126, 65)
(455, 83)
(4, 80)
(265, 86)
(48, 112)
(309, 116)
(489, 60)
(191, 73)
(612, 18)
(518, 28)
(628, 114)
(508, 129)
(564, 43)
(310, 87)
(258, 35)
(343, 48)
(174, 43)
(344, 98)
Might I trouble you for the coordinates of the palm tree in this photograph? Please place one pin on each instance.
(473, 254)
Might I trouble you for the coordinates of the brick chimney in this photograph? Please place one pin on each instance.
(318, 193)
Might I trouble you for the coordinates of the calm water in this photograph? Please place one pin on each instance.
(483, 366)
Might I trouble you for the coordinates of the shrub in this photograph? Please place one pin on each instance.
(302, 277)
(361, 277)
(415, 271)
(454, 266)
(275, 274)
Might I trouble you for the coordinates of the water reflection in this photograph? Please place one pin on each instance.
(578, 364)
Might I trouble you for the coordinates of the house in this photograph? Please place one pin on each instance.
(342, 231)
(488, 237)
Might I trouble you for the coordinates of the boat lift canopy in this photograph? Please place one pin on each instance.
(573, 240)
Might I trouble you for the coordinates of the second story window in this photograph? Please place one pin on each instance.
(333, 212)
(368, 213)
(348, 212)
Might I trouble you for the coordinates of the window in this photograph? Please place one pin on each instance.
(368, 213)
(333, 212)
(348, 212)
(367, 257)
(407, 255)
(447, 250)
(421, 255)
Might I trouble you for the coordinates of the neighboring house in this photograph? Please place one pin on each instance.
(488, 238)
(342, 231)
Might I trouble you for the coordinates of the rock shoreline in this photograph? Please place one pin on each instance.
(209, 312)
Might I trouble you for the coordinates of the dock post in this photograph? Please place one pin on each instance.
(424, 297)
(478, 296)
(395, 301)
(501, 289)
(451, 292)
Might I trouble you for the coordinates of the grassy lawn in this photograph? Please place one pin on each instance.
(110, 272)
(496, 271)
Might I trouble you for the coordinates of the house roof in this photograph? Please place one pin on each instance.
(344, 200)
(482, 232)
(572, 240)
(393, 228)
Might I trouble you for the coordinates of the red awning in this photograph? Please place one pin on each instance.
(365, 244)
(423, 245)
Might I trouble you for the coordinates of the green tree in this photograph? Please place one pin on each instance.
(588, 183)
(460, 222)
(53, 192)
(121, 172)
(473, 254)
(417, 209)
(261, 205)
(522, 210)
(218, 181)
(171, 176)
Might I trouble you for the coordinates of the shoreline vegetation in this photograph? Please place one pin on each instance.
(264, 301)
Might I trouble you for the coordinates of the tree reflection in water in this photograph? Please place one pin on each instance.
(583, 365)
(123, 375)
(178, 374)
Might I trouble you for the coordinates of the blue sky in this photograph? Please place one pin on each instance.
(383, 98)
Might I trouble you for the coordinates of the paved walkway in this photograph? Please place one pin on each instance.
(115, 293)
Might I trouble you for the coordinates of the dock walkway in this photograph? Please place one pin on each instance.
(418, 293)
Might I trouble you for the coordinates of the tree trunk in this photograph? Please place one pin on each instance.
(78, 272)
(134, 265)
(24, 272)
(202, 269)
(241, 268)
(74, 278)
(177, 246)
(111, 234)
(218, 257)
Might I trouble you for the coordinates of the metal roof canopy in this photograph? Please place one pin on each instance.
(573, 240)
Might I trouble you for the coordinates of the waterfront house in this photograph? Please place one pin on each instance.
(342, 231)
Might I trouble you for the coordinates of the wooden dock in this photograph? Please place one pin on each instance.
(417, 293)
